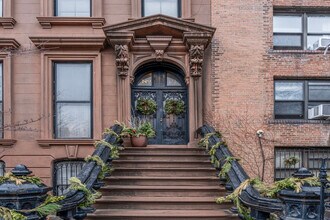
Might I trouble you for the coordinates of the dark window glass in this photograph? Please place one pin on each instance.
(73, 8)
(2, 168)
(305, 157)
(73, 100)
(63, 171)
(319, 91)
(166, 7)
(171, 80)
(146, 80)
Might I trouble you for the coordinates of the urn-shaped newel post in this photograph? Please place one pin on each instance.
(303, 205)
(22, 195)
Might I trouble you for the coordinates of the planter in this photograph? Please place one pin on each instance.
(140, 141)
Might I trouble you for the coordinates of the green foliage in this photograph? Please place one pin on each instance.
(146, 106)
(174, 107)
(212, 152)
(291, 161)
(111, 132)
(204, 142)
(9, 214)
(144, 128)
(105, 169)
(90, 196)
(49, 207)
(9, 177)
(227, 166)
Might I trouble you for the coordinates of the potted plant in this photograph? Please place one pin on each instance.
(139, 132)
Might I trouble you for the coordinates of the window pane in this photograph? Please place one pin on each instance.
(287, 40)
(319, 91)
(318, 24)
(287, 24)
(289, 109)
(167, 7)
(1, 86)
(2, 168)
(312, 41)
(289, 91)
(73, 82)
(63, 172)
(73, 120)
(172, 80)
(146, 80)
(1, 12)
(72, 8)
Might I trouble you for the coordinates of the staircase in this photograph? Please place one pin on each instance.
(162, 182)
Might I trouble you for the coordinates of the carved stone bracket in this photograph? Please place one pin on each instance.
(122, 60)
(196, 57)
(159, 44)
(159, 55)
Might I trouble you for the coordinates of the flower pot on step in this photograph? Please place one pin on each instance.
(140, 141)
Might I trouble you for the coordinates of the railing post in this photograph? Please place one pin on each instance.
(323, 180)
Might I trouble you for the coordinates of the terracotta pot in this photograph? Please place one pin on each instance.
(140, 141)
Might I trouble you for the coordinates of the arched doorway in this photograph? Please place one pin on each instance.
(164, 84)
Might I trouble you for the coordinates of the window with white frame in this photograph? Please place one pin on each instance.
(300, 30)
(73, 8)
(73, 100)
(293, 98)
(63, 171)
(166, 7)
(289, 159)
(2, 168)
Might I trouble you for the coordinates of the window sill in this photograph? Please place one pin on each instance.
(47, 143)
(272, 51)
(48, 22)
(7, 143)
(297, 121)
(7, 22)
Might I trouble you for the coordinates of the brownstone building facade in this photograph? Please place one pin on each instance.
(76, 66)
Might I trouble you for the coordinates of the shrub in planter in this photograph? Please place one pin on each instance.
(140, 133)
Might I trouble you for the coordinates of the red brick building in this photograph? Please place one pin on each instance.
(74, 67)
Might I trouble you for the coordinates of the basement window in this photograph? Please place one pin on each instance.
(288, 160)
(63, 171)
(302, 31)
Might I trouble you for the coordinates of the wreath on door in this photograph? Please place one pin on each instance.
(146, 106)
(174, 107)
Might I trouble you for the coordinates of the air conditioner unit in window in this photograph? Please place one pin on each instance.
(321, 43)
(319, 112)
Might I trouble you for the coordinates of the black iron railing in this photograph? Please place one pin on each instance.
(89, 177)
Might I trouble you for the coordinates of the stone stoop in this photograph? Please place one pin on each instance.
(162, 182)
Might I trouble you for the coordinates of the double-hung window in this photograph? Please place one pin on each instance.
(300, 31)
(293, 98)
(73, 8)
(166, 7)
(73, 100)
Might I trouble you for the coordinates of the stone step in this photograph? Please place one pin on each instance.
(124, 214)
(164, 191)
(160, 164)
(158, 203)
(168, 172)
(164, 156)
(164, 149)
(166, 181)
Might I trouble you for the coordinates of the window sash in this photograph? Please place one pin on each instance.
(69, 125)
(144, 8)
(307, 36)
(307, 102)
(72, 12)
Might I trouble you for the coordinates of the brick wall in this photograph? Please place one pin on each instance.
(243, 70)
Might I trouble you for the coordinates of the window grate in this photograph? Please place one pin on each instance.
(63, 171)
(310, 158)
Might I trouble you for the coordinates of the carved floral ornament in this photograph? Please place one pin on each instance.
(122, 60)
(196, 56)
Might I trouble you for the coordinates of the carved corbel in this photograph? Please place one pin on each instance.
(122, 60)
(159, 55)
(196, 58)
